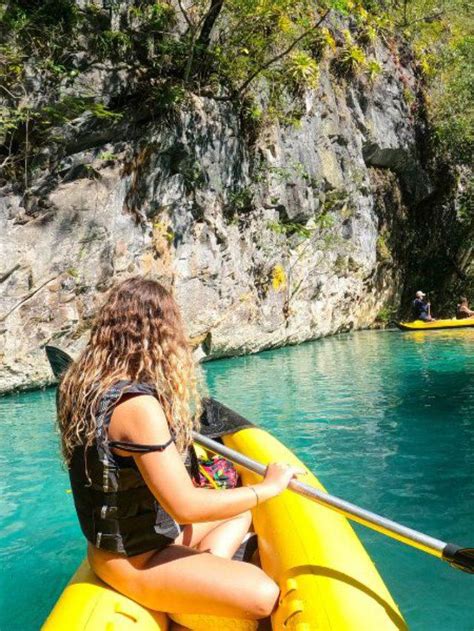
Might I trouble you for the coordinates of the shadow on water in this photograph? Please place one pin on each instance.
(436, 393)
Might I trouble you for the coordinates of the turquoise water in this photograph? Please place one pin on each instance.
(386, 420)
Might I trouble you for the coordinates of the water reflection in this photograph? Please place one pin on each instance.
(385, 420)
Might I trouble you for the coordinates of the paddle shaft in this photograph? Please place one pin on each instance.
(440, 549)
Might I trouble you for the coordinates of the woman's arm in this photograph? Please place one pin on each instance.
(141, 420)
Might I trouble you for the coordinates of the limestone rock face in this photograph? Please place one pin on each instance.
(413, 177)
(265, 244)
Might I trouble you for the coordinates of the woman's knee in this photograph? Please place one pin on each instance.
(246, 517)
(264, 598)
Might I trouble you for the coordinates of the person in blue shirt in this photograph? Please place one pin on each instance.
(422, 308)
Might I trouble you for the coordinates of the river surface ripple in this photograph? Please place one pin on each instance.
(385, 420)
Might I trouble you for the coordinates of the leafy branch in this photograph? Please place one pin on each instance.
(240, 90)
(284, 53)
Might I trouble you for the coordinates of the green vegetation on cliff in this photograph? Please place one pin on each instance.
(166, 51)
(441, 35)
(218, 48)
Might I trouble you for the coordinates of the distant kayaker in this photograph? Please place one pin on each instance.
(422, 308)
(126, 418)
(462, 310)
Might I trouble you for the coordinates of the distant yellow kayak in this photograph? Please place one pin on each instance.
(420, 325)
(328, 581)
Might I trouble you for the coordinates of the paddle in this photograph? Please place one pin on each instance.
(457, 557)
(460, 558)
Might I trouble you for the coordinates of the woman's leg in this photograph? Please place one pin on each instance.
(221, 538)
(182, 580)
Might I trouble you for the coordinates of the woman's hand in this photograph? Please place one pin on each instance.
(277, 478)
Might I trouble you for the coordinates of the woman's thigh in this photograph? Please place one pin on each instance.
(221, 537)
(182, 580)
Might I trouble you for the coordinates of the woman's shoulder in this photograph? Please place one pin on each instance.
(120, 391)
(142, 417)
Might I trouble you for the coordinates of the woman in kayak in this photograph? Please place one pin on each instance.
(127, 408)
(462, 310)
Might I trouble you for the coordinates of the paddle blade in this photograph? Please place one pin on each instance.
(460, 558)
(58, 360)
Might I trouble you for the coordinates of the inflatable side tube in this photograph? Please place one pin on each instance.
(328, 581)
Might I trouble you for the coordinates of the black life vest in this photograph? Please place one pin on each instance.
(116, 509)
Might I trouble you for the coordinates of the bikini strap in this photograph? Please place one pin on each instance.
(106, 408)
(138, 448)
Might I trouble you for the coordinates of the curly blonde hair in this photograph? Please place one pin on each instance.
(139, 336)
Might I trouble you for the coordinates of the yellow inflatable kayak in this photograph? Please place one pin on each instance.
(327, 580)
(420, 325)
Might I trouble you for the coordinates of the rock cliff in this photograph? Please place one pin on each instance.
(268, 239)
